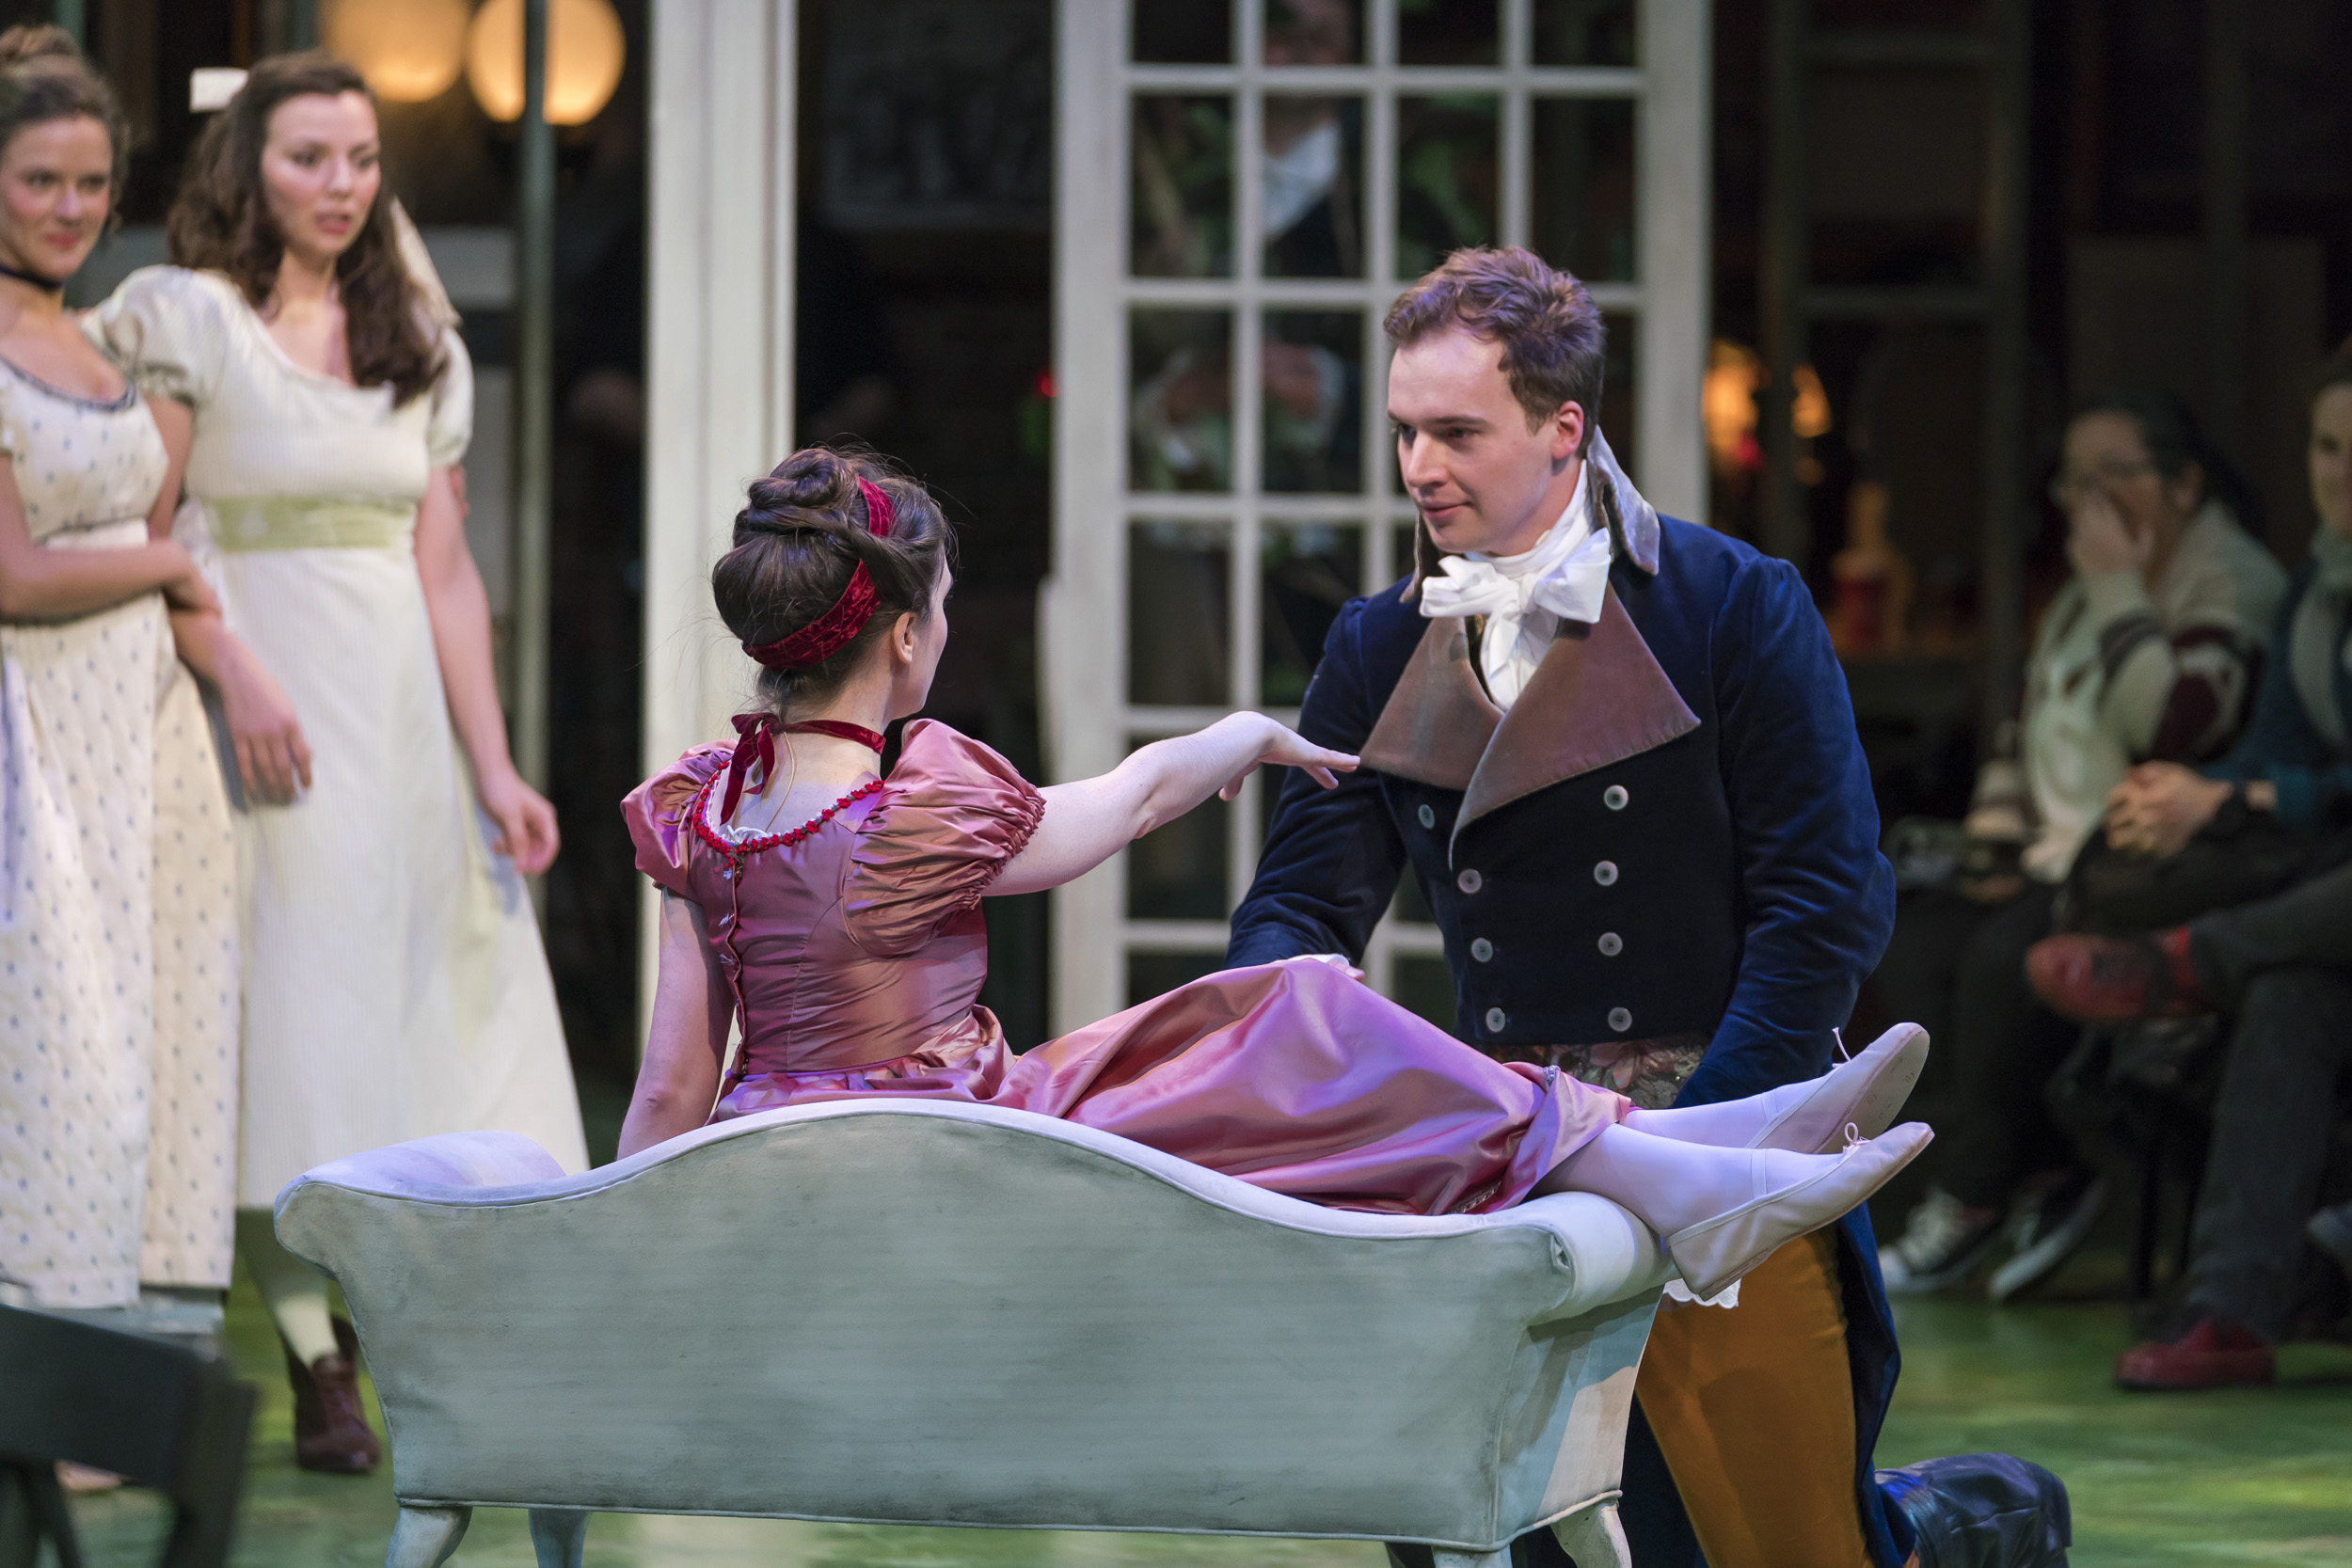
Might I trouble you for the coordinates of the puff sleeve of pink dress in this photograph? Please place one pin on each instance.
(856, 957)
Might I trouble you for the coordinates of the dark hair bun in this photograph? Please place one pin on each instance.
(804, 530)
(37, 41)
(812, 480)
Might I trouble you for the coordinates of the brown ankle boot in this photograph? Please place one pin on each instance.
(331, 1433)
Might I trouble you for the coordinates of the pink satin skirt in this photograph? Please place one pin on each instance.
(1295, 1077)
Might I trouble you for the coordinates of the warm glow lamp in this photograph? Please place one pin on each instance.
(408, 50)
(584, 53)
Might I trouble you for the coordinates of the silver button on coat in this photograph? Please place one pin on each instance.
(1428, 818)
(1615, 797)
(1606, 873)
(1495, 1021)
(1620, 1020)
(1610, 945)
(1482, 950)
(1470, 881)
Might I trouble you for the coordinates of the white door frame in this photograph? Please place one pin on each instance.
(719, 349)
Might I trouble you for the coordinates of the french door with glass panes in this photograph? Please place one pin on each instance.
(1243, 187)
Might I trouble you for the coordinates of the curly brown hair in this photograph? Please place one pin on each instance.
(220, 223)
(803, 530)
(44, 76)
(1553, 342)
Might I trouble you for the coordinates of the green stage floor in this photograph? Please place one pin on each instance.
(2251, 1476)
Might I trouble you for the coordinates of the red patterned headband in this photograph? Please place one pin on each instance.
(838, 626)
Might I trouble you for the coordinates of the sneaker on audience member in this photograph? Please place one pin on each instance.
(1941, 1241)
(2330, 1232)
(2047, 1233)
(2214, 1353)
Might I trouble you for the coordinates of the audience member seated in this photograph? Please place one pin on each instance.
(2282, 965)
(2149, 651)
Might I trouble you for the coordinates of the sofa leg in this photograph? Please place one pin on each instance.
(559, 1535)
(1593, 1538)
(425, 1537)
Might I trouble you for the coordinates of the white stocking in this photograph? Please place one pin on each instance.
(1669, 1184)
(294, 1293)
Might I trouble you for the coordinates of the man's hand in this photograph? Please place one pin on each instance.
(2159, 807)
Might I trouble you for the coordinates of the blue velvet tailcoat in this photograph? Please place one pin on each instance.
(1671, 831)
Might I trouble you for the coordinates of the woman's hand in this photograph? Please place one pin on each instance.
(2099, 541)
(272, 755)
(2159, 807)
(526, 823)
(1282, 746)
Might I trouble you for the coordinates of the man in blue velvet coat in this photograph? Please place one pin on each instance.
(1616, 752)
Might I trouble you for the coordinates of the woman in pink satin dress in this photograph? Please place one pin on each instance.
(836, 914)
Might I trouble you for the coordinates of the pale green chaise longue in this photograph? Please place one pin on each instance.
(903, 1311)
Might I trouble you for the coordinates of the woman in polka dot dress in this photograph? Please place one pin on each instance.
(118, 923)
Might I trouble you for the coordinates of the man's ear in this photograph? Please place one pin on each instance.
(1568, 432)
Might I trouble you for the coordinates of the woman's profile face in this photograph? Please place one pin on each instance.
(57, 186)
(2105, 453)
(320, 169)
(2331, 458)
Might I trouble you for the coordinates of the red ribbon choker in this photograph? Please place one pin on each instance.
(838, 626)
(755, 742)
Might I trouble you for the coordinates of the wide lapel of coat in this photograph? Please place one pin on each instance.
(1436, 725)
(1599, 697)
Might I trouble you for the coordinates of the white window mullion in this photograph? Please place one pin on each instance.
(1518, 128)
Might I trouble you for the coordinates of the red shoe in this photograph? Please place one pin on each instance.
(2216, 1354)
(2116, 979)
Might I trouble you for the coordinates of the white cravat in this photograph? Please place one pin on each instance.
(1525, 597)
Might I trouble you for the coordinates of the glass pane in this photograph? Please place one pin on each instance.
(1180, 217)
(1582, 214)
(1314, 32)
(1584, 32)
(1154, 975)
(1177, 871)
(1446, 32)
(1315, 386)
(1179, 614)
(1180, 404)
(1446, 177)
(1313, 173)
(1423, 986)
(1184, 32)
(1617, 401)
(1306, 571)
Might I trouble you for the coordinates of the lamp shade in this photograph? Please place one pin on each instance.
(585, 49)
(408, 50)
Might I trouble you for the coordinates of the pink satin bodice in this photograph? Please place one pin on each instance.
(864, 942)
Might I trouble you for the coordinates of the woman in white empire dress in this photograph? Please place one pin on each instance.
(118, 923)
(394, 982)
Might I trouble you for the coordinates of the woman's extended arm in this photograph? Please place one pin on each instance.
(460, 611)
(1088, 821)
(691, 1009)
(38, 584)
